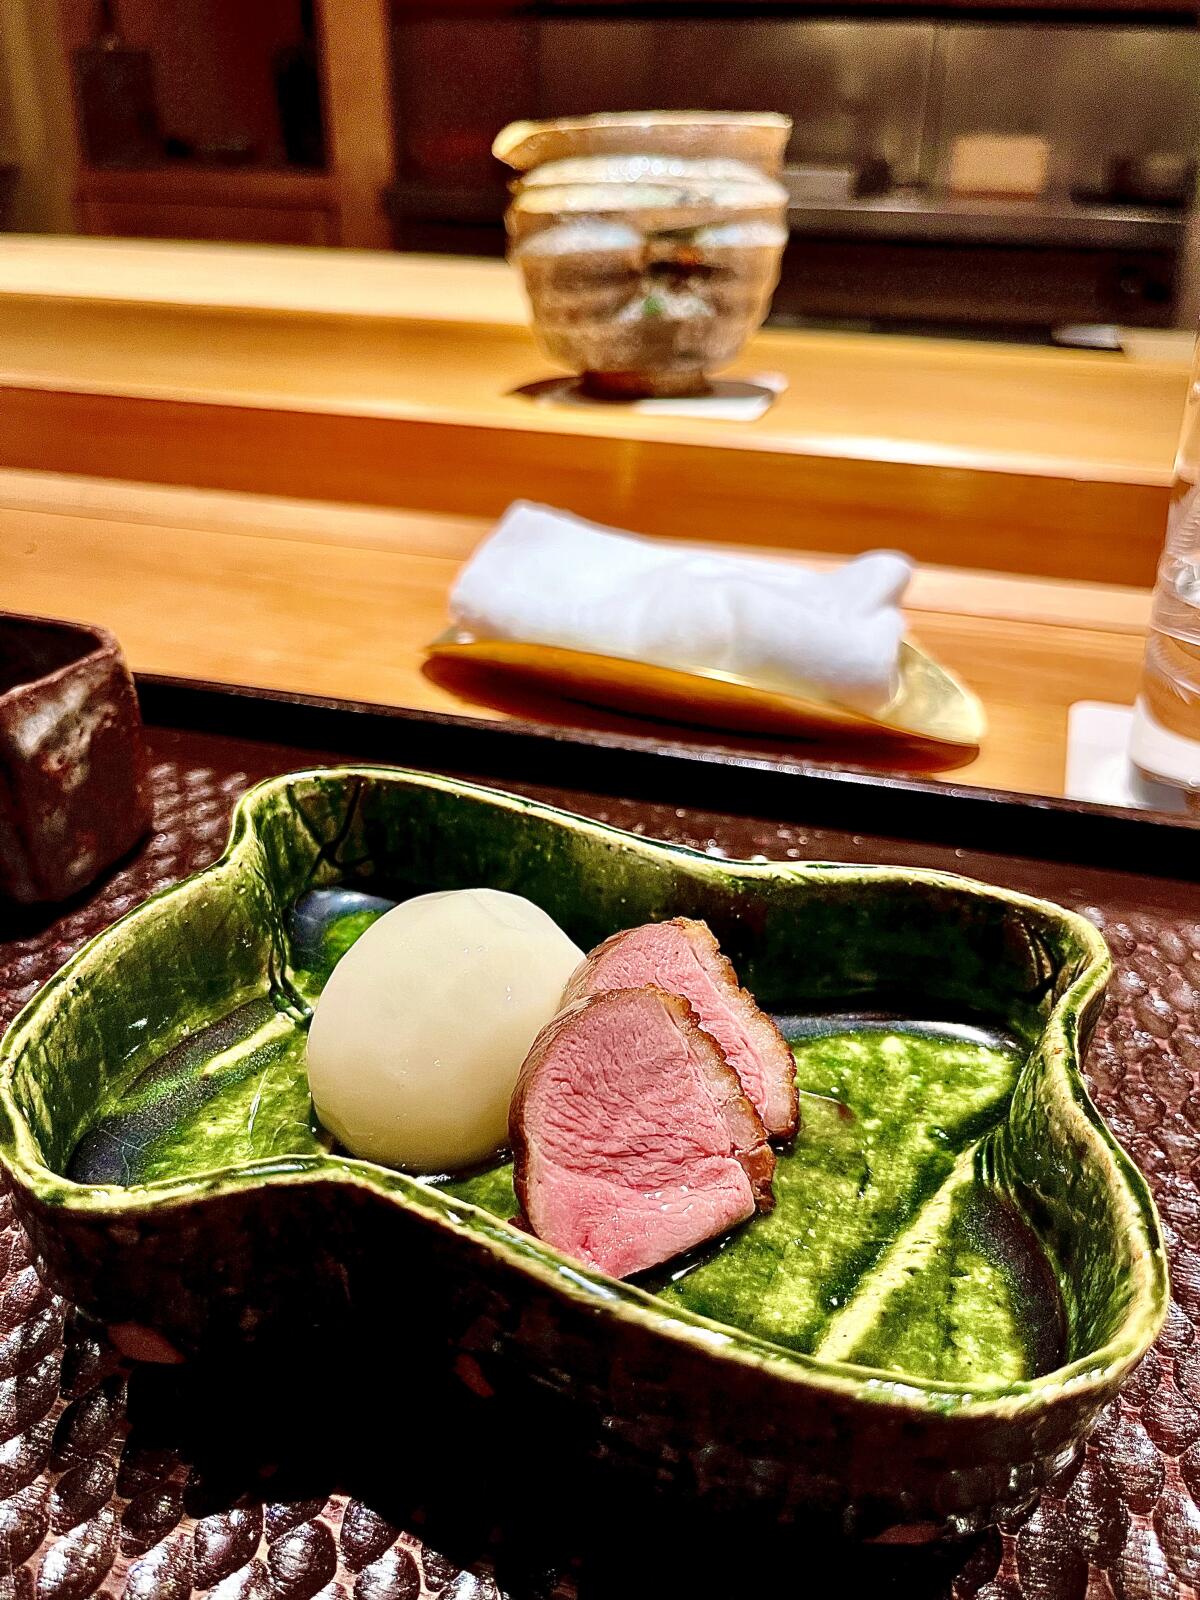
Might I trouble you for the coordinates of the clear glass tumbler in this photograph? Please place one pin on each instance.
(1165, 742)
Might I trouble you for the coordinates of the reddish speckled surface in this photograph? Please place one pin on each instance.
(102, 1490)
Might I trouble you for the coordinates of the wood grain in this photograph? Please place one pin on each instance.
(1030, 461)
(190, 183)
(359, 283)
(341, 601)
(1098, 531)
(185, 202)
(942, 404)
(356, 51)
(172, 220)
(1027, 599)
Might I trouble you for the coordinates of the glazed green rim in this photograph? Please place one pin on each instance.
(1101, 1369)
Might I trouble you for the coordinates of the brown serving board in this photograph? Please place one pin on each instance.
(145, 1483)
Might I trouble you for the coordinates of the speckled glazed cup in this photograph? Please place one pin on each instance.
(72, 770)
(649, 242)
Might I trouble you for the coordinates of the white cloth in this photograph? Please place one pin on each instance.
(547, 577)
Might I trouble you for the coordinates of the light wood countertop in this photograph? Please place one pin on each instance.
(388, 379)
(341, 283)
(340, 600)
(265, 466)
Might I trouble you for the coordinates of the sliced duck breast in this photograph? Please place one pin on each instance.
(632, 1139)
(683, 957)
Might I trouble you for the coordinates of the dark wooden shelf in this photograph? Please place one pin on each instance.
(207, 183)
(1164, 13)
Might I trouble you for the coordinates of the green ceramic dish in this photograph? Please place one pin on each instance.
(962, 1267)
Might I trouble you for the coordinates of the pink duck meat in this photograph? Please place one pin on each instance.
(632, 1140)
(684, 958)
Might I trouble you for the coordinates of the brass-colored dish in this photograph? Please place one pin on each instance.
(930, 706)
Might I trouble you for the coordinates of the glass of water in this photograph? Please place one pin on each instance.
(1165, 742)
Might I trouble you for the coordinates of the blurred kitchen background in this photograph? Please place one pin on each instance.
(1008, 170)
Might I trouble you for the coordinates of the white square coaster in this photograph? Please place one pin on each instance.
(1098, 764)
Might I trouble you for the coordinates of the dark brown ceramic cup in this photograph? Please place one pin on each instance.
(73, 796)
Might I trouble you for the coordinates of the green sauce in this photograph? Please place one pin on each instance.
(882, 1248)
(885, 1248)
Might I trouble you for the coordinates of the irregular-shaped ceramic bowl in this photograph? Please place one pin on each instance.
(649, 242)
(961, 1269)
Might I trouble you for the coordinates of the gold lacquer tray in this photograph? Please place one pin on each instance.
(930, 705)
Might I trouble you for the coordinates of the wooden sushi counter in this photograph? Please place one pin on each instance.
(266, 465)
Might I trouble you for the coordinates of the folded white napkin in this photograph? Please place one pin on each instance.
(550, 578)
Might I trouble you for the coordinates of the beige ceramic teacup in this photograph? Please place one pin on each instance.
(649, 242)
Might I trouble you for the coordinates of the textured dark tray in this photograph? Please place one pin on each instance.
(161, 1482)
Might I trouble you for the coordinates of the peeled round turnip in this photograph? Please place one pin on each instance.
(418, 1037)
